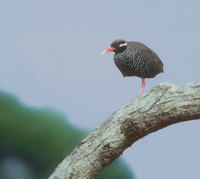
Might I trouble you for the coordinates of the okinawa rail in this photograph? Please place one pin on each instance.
(135, 59)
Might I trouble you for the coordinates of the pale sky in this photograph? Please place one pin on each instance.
(50, 57)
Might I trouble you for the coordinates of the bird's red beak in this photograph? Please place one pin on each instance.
(109, 49)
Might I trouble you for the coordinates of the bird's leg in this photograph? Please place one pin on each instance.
(143, 85)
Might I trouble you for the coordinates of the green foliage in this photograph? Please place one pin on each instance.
(116, 170)
(43, 138)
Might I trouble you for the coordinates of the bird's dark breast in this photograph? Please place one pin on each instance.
(143, 63)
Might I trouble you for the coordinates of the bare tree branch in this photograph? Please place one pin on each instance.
(164, 105)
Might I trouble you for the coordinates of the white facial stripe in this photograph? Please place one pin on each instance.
(122, 45)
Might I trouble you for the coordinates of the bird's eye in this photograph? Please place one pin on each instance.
(122, 45)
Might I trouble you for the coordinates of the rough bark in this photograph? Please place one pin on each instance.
(164, 105)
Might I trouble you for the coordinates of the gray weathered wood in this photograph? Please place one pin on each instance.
(164, 105)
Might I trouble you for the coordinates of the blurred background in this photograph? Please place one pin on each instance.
(55, 86)
(34, 141)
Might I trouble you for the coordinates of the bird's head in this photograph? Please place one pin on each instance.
(116, 46)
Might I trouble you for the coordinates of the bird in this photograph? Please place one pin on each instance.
(135, 59)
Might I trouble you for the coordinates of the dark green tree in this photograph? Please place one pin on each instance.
(37, 140)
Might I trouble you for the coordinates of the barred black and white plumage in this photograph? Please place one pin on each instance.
(135, 59)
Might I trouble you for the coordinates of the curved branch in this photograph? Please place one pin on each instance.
(164, 105)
